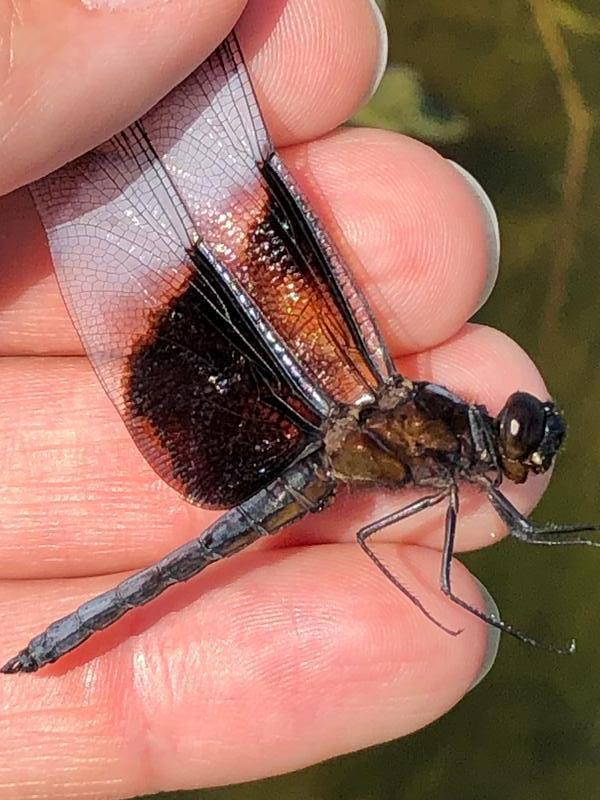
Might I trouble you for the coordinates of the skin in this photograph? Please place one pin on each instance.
(298, 649)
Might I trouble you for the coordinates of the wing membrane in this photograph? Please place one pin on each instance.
(215, 310)
(197, 391)
(213, 141)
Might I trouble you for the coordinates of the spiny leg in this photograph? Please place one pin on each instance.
(490, 619)
(408, 511)
(527, 531)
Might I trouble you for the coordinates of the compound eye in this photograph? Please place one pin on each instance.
(522, 425)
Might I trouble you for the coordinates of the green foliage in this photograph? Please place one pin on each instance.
(401, 104)
(572, 19)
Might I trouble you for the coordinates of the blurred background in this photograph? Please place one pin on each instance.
(510, 89)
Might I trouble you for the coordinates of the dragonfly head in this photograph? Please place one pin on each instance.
(530, 433)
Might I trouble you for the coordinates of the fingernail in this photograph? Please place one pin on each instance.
(383, 49)
(493, 636)
(492, 231)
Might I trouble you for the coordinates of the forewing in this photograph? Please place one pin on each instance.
(187, 371)
(252, 215)
(213, 306)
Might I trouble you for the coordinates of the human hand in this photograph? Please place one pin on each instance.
(287, 654)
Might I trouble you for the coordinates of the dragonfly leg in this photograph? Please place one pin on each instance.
(290, 497)
(490, 619)
(397, 516)
(527, 531)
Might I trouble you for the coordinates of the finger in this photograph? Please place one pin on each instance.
(301, 54)
(416, 237)
(265, 667)
(79, 75)
(79, 497)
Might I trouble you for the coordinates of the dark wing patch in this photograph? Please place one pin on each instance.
(211, 137)
(213, 307)
(202, 412)
(201, 393)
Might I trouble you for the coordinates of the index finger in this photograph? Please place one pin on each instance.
(81, 71)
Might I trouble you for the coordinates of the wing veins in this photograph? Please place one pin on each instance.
(285, 231)
(338, 338)
(139, 207)
(279, 189)
(186, 223)
(239, 74)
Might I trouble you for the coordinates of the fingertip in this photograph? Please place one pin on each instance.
(79, 75)
(382, 48)
(479, 363)
(236, 670)
(301, 54)
(493, 635)
(320, 641)
(492, 228)
(417, 236)
(90, 69)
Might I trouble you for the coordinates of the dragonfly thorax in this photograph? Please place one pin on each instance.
(420, 436)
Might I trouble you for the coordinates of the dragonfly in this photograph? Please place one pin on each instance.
(222, 321)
